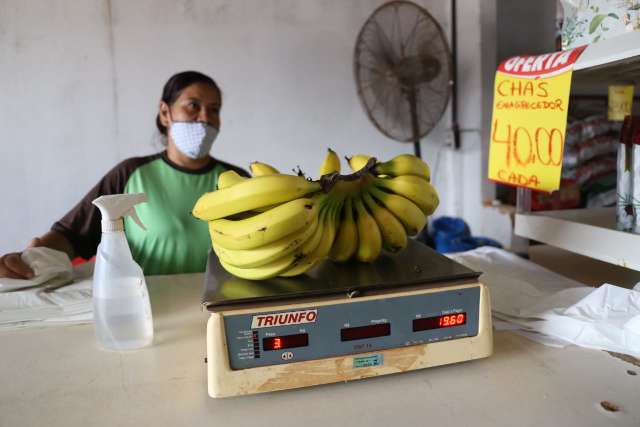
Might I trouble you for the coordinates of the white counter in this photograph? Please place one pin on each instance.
(57, 377)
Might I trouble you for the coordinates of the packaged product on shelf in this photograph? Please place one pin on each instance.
(590, 170)
(589, 149)
(570, 157)
(566, 197)
(625, 211)
(593, 126)
(573, 134)
(600, 192)
(597, 146)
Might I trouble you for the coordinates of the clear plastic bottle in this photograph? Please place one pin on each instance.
(121, 307)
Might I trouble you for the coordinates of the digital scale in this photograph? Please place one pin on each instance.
(342, 322)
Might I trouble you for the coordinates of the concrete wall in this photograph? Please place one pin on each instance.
(81, 83)
(463, 174)
(525, 27)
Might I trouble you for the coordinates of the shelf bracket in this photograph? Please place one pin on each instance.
(520, 245)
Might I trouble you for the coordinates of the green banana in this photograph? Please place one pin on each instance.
(260, 169)
(346, 242)
(410, 215)
(266, 227)
(251, 194)
(394, 238)
(369, 238)
(330, 164)
(404, 164)
(262, 255)
(229, 178)
(414, 188)
(357, 161)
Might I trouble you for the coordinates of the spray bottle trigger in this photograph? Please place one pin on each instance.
(136, 218)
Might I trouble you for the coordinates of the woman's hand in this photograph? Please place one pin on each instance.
(12, 266)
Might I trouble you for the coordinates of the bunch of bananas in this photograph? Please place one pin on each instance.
(276, 224)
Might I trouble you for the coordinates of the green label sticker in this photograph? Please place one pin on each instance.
(368, 361)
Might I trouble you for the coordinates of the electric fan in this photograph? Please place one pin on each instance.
(402, 67)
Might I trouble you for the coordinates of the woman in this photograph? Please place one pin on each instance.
(175, 242)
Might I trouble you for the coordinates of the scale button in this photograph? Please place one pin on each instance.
(287, 355)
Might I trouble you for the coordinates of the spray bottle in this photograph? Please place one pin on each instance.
(122, 312)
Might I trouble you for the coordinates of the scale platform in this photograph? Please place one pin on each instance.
(341, 322)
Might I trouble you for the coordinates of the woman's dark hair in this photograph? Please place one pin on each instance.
(176, 84)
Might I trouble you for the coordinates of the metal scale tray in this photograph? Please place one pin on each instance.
(417, 264)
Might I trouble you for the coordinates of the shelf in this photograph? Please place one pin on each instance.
(592, 232)
(589, 232)
(615, 60)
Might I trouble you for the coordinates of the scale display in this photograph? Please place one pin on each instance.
(444, 321)
(364, 332)
(285, 341)
(316, 332)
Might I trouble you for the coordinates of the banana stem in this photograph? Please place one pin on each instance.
(327, 182)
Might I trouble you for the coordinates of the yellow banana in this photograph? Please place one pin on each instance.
(265, 227)
(410, 215)
(369, 238)
(311, 255)
(251, 194)
(228, 178)
(283, 264)
(394, 238)
(262, 255)
(266, 271)
(260, 169)
(358, 161)
(404, 164)
(414, 188)
(346, 242)
(330, 164)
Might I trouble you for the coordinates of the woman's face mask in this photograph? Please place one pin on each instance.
(194, 139)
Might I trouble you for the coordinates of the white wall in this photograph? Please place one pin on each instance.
(81, 83)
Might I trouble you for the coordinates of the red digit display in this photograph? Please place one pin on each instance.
(363, 332)
(285, 341)
(437, 322)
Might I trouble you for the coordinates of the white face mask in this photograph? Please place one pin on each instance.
(194, 139)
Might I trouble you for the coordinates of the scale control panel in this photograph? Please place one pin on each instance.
(350, 327)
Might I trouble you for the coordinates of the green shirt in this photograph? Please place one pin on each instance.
(175, 241)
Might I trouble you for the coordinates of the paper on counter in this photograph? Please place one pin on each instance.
(555, 310)
(68, 305)
(47, 264)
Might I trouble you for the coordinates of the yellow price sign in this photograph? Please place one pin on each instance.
(530, 103)
(620, 102)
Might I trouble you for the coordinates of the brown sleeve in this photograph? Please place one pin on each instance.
(81, 225)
